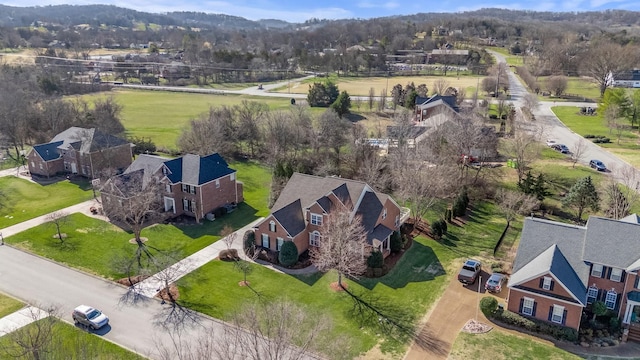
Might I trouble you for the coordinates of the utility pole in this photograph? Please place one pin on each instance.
(498, 81)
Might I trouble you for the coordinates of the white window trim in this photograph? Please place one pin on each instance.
(167, 188)
(184, 188)
(217, 183)
(272, 226)
(599, 272)
(594, 297)
(232, 176)
(607, 301)
(555, 317)
(384, 213)
(265, 237)
(618, 277)
(397, 220)
(314, 238)
(185, 204)
(525, 307)
(316, 219)
(546, 283)
(279, 242)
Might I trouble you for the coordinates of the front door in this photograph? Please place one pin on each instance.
(74, 168)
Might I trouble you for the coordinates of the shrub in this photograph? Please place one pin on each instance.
(229, 255)
(459, 209)
(614, 323)
(288, 255)
(589, 136)
(249, 241)
(443, 224)
(375, 260)
(497, 267)
(448, 214)
(436, 229)
(511, 318)
(488, 305)
(557, 331)
(396, 242)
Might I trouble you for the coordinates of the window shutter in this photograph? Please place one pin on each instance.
(550, 312)
(535, 305)
(635, 285)
(541, 283)
(608, 273)
(624, 276)
(551, 285)
(520, 307)
(564, 317)
(600, 295)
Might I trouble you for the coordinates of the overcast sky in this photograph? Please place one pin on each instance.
(301, 10)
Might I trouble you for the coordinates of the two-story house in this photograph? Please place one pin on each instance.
(306, 200)
(193, 185)
(560, 269)
(86, 152)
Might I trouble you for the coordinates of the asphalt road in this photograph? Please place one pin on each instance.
(44, 283)
(548, 126)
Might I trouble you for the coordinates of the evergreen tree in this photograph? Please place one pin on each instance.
(582, 195)
(540, 188)
(342, 104)
(288, 255)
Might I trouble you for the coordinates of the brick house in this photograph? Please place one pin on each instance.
(81, 151)
(193, 185)
(304, 202)
(560, 269)
(435, 110)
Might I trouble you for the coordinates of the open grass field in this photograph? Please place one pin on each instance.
(412, 286)
(8, 305)
(500, 345)
(357, 86)
(629, 144)
(161, 116)
(69, 342)
(579, 86)
(25, 200)
(514, 60)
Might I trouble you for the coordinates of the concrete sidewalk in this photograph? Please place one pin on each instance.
(20, 318)
(150, 286)
(83, 207)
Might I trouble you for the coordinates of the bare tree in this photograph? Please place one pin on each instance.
(168, 269)
(228, 236)
(34, 340)
(133, 199)
(342, 244)
(621, 192)
(557, 84)
(578, 151)
(531, 102)
(250, 113)
(371, 98)
(440, 86)
(513, 203)
(383, 100)
(58, 218)
(213, 132)
(604, 59)
(524, 148)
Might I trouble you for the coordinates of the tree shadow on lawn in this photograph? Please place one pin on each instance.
(241, 216)
(419, 264)
(69, 245)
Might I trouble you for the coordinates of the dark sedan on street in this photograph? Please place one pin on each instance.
(598, 165)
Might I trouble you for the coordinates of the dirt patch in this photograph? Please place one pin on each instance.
(172, 293)
(132, 281)
(244, 283)
(476, 327)
(337, 288)
(143, 239)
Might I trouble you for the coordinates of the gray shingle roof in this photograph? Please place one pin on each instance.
(552, 261)
(309, 189)
(369, 210)
(612, 243)
(633, 218)
(380, 233)
(48, 151)
(197, 170)
(539, 235)
(148, 164)
(87, 140)
(291, 218)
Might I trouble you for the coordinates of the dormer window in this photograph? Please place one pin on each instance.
(596, 270)
(384, 213)
(616, 275)
(546, 283)
(316, 219)
(272, 226)
(164, 170)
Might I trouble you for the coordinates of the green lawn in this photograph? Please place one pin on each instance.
(628, 147)
(26, 200)
(9, 305)
(582, 87)
(92, 244)
(161, 115)
(69, 342)
(411, 287)
(499, 345)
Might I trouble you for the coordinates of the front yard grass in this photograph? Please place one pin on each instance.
(69, 342)
(629, 145)
(500, 345)
(412, 286)
(9, 305)
(577, 86)
(25, 200)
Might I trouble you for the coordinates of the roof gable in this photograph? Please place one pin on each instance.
(611, 242)
(369, 211)
(197, 170)
(552, 261)
(87, 140)
(291, 218)
(48, 151)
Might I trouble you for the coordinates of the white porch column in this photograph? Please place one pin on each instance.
(627, 313)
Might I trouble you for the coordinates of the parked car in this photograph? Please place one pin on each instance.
(551, 142)
(89, 317)
(560, 147)
(470, 271)
(598, 165)
(494, 283)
